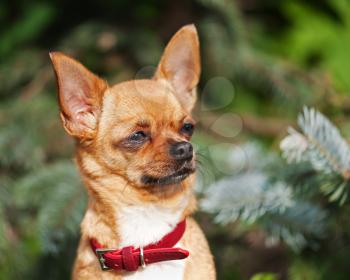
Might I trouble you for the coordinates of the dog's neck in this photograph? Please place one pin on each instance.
(119, 215)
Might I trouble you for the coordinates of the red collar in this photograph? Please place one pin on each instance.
(130, 258)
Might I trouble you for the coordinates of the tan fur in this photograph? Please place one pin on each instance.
(101, 117)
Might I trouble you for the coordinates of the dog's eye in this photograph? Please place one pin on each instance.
(138, 136)
(187, 128)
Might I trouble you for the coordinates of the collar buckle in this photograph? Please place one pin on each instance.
(100, 253)
(142, 258)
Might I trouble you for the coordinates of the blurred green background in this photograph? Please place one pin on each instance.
(262, 62)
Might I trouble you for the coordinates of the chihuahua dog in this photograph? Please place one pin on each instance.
(137, 163)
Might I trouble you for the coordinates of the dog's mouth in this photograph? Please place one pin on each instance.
(171, 179)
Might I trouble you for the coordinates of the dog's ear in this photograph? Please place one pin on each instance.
(180, 65)
(80, 95)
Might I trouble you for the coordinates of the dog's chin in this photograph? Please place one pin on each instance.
(171, 179)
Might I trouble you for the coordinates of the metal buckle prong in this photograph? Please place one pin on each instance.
(101, 259)
(142, 258)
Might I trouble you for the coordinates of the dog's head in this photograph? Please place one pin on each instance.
(138, 129)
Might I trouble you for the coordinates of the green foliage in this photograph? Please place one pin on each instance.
(300, 225)
(329, 46)
(324, 148)
(252, 195)
(264, 276)
(59, 199)
(22, 124)
(301, 270)
(34, 19)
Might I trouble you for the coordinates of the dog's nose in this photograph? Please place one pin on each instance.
(181, 150)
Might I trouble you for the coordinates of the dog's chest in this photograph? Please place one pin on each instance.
(170, 270)
(143, 225)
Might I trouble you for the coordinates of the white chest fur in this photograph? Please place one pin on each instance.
(143, 225)
(170, 270)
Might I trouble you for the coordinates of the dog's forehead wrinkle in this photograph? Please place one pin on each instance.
(145, 92)
(163, 112)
